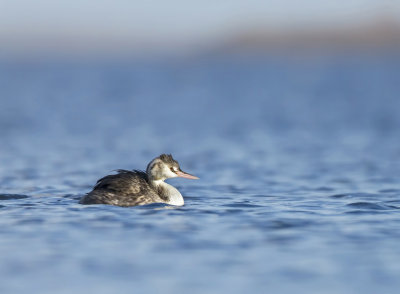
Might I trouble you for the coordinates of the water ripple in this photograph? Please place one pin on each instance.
(242, 205)
(371, 205)
(356, 195)
(12, 196)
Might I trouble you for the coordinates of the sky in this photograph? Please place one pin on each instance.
(179, 21)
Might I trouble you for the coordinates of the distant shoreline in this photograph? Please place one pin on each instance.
(377, 37)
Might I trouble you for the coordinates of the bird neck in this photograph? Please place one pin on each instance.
(167, 192)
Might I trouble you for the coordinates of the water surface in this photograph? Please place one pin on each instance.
(299, 165)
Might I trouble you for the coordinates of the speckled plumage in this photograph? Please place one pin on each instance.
(126, 188)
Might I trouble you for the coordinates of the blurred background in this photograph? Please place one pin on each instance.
(127, 28)
(109, 69)
(290, 103)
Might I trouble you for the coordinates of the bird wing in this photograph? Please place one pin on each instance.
(126, 188)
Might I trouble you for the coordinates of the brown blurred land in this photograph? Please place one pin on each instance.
(378, 35)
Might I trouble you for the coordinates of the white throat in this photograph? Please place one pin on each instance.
(175, 197)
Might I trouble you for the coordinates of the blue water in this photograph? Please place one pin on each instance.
(299, 163)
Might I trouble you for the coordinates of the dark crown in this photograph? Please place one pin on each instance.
(167, 158)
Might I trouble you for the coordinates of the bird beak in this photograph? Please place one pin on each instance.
(182, 174)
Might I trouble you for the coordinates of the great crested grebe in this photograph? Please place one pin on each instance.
(130, 188)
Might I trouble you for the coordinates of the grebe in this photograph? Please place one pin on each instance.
(130, 188)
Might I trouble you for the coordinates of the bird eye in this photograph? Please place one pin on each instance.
(172, 169)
